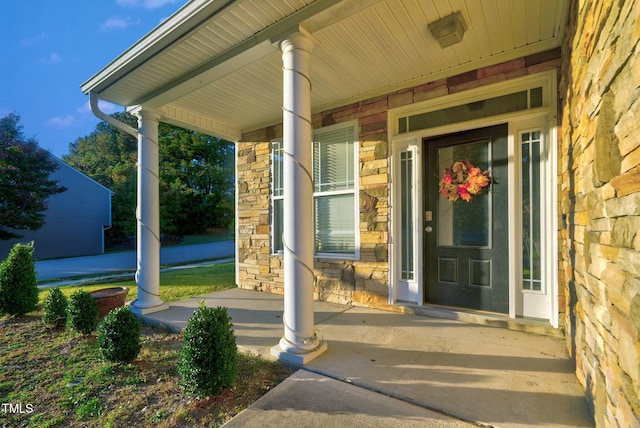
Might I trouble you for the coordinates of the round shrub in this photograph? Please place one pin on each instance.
(18, 285)
(55, 308)
(83, 312)
(119, 335)
(208, 357)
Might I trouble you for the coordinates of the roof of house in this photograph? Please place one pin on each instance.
(215, 65)
(79, 175)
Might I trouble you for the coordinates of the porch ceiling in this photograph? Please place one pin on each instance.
(214, 66)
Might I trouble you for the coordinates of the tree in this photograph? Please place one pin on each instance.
(196, 176)
(197, 179)
(24, 180)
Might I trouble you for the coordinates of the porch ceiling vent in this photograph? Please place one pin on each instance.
(449, 30)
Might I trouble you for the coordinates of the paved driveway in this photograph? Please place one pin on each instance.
(126, 260)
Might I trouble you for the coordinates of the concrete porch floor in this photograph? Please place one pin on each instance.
(433, 372)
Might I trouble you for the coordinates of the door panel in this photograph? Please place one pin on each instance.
(466, 243)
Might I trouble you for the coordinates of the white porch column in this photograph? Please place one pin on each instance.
(148, 216)
(299, 343)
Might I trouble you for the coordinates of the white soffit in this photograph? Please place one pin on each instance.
(226, 75)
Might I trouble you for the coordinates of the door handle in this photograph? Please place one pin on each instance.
(428, 229)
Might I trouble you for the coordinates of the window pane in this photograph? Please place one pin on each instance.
(531, 221)
(402, 125)
(536, 273)
(475, 110)
(333, 160)
(277, 225)
(278, 192)
(465, 223)
(406, 207)
(526, 210)
(535, 97)
(277, 152)
(334, 221)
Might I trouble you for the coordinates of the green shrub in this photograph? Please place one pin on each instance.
(83, 312)
(54, 308)
(119, 335)
(18, 285)
(208, 357)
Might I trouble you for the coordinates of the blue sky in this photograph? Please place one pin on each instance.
(49, 48)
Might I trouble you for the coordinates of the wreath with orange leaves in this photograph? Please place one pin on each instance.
(462, 180)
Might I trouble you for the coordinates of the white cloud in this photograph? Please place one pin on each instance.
(30, 41)
(147, 4)
(62, 121)
(53, 58)
(118, 23)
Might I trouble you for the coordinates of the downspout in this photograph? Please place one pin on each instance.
(93, 102)
(106, 227)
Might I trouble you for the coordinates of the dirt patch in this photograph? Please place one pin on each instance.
(57, 378)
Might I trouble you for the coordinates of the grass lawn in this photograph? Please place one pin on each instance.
(57, 377)
(177, 284)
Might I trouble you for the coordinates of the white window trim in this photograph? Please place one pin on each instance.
(355, 191)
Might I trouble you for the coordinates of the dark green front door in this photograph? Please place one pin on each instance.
(467, 243)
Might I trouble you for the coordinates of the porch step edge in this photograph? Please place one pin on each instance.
(539, 327)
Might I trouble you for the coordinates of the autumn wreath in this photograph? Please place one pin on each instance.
(462, 180)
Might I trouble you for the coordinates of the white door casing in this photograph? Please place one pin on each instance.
(407, 289)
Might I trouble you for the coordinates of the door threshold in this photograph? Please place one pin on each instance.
(528, 325)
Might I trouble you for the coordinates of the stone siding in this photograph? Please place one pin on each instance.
(364, 281)
(599, 192)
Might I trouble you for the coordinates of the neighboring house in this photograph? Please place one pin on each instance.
(75, 219)
(345, 114)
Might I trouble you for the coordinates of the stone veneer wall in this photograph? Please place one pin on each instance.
(599, 192)
(365, 281)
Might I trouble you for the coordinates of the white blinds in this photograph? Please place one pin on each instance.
(334, 197)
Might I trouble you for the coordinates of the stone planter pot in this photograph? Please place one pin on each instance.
(109, 298)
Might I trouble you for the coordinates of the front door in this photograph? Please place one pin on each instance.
(466, 242)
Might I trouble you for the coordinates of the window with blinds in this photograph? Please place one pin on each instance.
(335, 182)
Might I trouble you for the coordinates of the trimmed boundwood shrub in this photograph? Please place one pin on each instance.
(119, 335)
(18, 284)
(54, 308)
(208, 357)
(83, 312)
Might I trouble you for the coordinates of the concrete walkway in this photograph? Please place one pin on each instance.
(390, 369)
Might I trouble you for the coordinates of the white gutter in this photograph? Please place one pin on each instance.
(93, 102)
